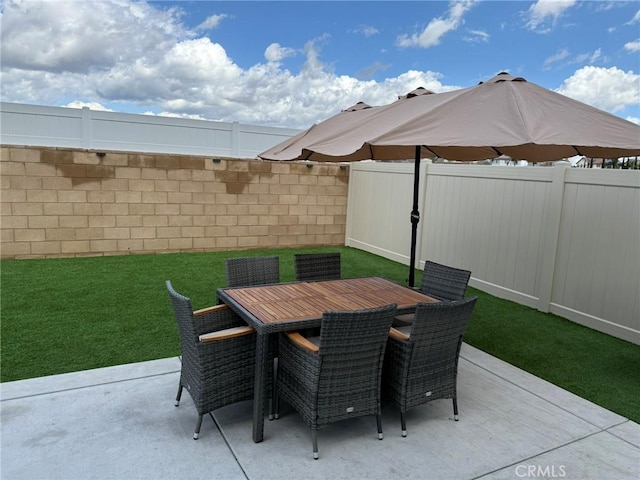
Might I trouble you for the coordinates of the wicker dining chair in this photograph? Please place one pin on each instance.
(442, 282)
(317, 266)
(337, 375)
(421, 363)
(218, 355)
(242, 272)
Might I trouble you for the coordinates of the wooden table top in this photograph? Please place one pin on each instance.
(308, 300)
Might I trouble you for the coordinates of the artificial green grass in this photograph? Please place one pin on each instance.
(64, 315)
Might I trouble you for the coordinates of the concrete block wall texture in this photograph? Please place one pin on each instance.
(66, 203)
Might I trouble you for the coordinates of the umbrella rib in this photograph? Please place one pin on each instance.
(431, 151)
(496, 150)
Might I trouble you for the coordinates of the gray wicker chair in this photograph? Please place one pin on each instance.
(442, 282)
(336, 376)
(317, 266)
(421, 363)
(242, 272)
(218, 355)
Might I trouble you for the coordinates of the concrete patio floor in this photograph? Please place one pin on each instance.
(120, 423)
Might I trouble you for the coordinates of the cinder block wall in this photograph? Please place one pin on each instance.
(64, 203)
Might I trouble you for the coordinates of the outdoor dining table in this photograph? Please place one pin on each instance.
(292, 306)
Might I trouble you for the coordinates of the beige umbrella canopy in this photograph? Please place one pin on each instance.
(504, 116)
(515, 118)
(291, 149)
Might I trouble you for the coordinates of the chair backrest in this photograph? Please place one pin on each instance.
(437, 332)
(243, 272)
(186, 326)
(444, 282)
(184, 314)
(317, 266)
(349, 334)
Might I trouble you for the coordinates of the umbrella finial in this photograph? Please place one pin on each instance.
(356, 107)
(504, 77)
(415, 93)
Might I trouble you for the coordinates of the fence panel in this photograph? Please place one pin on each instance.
(597, 275)
(379, 208)
(35, 125)
(489, 220)
(557, 239)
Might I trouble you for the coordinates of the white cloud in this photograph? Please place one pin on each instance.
(609, 89)
(582, 58)
(371, 70)
(367, 30)
(633, 46)
(172, 71)
(437, 27)
(635, 19)
(589, 57)
(477, 36)
(91, 105)
(212, 22)
(174, 115)
(556, 57)
(77, 36)
(276, 53)
(130, 53)
(544, 14)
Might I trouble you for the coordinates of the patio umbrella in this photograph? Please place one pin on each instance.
(504, 116)
(291, 149)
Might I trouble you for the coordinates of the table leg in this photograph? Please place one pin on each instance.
(262, 359)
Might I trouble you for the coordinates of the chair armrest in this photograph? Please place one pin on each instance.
(226, 334)
(398, 335)
(205, 311)
(302, 342)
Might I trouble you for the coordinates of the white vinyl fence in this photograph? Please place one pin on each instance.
(561, 240)
(35, 125)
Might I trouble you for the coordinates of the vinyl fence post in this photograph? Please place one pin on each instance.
(550, 239)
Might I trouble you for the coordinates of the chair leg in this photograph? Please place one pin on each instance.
(314, 438)
(403, 424)
(276, 397)
(275, 409)
(455, 409)
(198, 425)
(379, 421)
(179, 395)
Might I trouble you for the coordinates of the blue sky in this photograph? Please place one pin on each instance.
(292, 64)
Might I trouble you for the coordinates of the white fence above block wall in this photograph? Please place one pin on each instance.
(35, 125)
(557, 239)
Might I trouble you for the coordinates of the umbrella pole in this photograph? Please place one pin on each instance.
(415, 217)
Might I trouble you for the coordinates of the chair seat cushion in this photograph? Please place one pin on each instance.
(315, 340)
(406, 330)
(403, 320)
